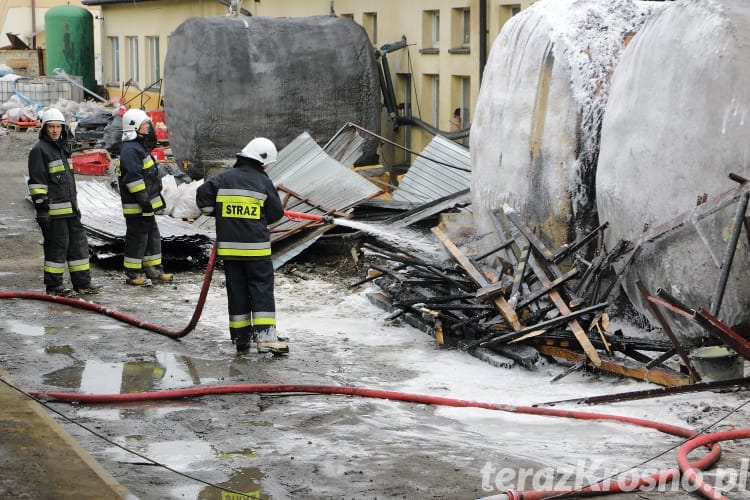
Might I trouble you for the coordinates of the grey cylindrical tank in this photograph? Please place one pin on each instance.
(229, 79)
(535, 134)
(677, 123)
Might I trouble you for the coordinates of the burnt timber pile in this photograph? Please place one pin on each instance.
(520, 299)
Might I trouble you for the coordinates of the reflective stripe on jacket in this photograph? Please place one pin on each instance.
(139, 181)
(244, 201)
(51, 175)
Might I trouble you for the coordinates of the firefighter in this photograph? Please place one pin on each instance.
(140, 192)
(244, 201)
(52, 187)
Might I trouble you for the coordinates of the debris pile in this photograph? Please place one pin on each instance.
(520, 298)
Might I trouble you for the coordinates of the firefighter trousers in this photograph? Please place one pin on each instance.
(142, 247)
(250, 296)
(65, 243)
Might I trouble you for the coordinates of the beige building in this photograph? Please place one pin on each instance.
(435, 76)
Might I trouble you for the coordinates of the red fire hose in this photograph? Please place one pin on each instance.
(661, 478)
(687, 468)
(161, 330)
(325, 219)
(146, 325)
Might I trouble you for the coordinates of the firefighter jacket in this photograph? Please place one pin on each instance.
(244, 201)
(139, 181)
(52, 184)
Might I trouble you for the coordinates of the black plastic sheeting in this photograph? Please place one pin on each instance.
(229, 79)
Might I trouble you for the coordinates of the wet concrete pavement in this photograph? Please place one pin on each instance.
(39, 458)
(293, 446)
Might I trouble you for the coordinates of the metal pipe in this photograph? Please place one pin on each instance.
(33, 24)
(482, 37)
(726, 264)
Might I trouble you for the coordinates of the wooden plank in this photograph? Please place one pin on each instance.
(490, 291)
(508, 313)
(656, 375)
(559, 302)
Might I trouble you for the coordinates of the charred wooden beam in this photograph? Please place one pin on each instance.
(500, 338)
(490, 291)
(567, 250)
(656, 375)
(508, 313)
(559, 302)
(661, 358)
(496, 249)
(374, 276)
(518, 276)
(619, 343)
(532, 238)
(544, 290)
(615, 285)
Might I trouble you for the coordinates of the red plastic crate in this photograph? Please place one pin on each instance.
(158, 116)
(159, 154)
(93, 162)
(162, 134)
(90, 168)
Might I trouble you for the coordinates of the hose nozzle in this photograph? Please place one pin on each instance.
(327, 219)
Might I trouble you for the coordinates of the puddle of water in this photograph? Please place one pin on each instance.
(65, 350)
(246, 481)
(25, 329)
(184, 456)
(164, 371)
(153, 409)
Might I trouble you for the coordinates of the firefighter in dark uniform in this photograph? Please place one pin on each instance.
(52, 187)
(244, 201)
(140, 192)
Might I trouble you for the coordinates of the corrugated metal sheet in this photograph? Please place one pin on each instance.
(346, 146)
(429, 180)
(304, 168)
(101, 215)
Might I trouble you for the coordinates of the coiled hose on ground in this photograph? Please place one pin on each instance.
(125, 318)
(688, 469)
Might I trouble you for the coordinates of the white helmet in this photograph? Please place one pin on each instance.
(131, 122)
(260, 149)
(52, 115)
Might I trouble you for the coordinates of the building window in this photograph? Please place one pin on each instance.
(347, 16)
(403, 95)
(131, 58)
(430, 31)
(431, 93)
(461, 100)
(114, 57)
(506, 12)
(436, 29)
(152, 59)
(370, 20)
(460, 28)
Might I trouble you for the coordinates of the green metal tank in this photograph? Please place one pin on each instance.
(70, 43)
